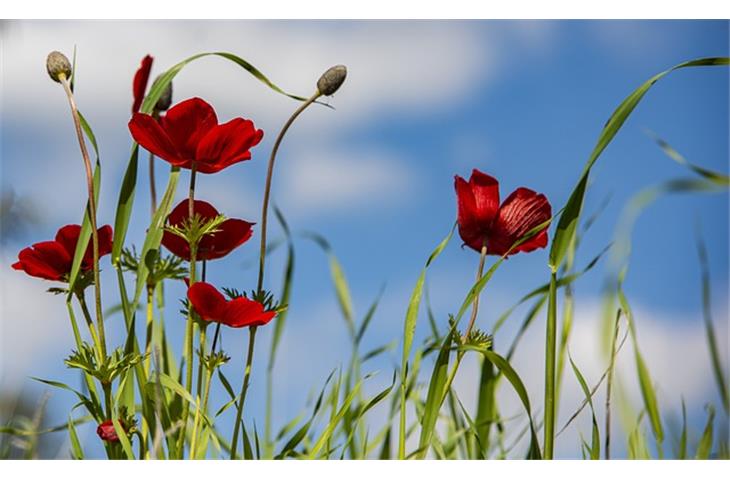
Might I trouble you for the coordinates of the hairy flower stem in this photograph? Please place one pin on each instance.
(189, 325)
(244, 389)
(550, 349)
(92, 208)
(267, 188)
(475, 308)
(472, 319)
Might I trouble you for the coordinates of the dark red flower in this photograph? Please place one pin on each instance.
(212, 306)
(190, 134)
(106, 431)
(231, 234)
(139, 85)
(52, 260)
(482, 221)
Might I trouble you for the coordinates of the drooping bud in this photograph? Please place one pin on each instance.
(331, 80)
(165, 100)
(57, 64)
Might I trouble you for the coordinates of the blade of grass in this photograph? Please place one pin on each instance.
(705, 446)
(568, 222)
(717, 370)
(409, 331)
(595, 450)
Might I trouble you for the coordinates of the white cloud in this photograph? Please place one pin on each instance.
(34, 325)
(323, 181)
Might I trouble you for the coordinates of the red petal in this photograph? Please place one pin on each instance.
(48, 260)
(478, 202)
(147, 132)
(139, 85)
(227, 144)
(231, 234)
(522, 211)
(207, 301)
(176, 244)
(187, 122)
(68, 237)
(242, 312)
(182, 211)
(105, 247)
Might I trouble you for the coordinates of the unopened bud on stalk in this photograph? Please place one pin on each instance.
(331, 80)
(165, 100)
(57, 64)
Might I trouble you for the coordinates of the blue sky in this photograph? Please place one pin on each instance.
(522, 101)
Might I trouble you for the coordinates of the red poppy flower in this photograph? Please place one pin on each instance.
(52, 260)
(212, 306)
(483, 221)
(231, 234)
(190, 134)
(139, 85)
(106, 431)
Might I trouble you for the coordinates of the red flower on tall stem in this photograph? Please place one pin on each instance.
(212, 306)
(139, 84)
(482, 221)
(52, 260)
(231, 234)
(189, 134)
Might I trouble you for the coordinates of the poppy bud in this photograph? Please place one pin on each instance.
(106, 431)
(57, 64)
(331, 80)
(165, 100)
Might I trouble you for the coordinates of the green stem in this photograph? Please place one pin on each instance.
(92, 209)
(550, 347)
(267, 188)
(90, 323)
(609, 383)
(189, 325)
(244, 389)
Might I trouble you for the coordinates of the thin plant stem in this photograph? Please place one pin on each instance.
(92, 208)
(472, 319)
(267, 188)
(550, 349)
(607, 448)
(189, 325)
(475, 308)
(90, 324)
(153, 189)
(149, 328)
(244, 389)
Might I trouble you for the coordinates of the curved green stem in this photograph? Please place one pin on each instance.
(244, 389)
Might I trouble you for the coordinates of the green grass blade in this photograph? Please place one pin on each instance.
(704, 448)
(330, 428)
(550, 349)
(647, 387)
(76, 451)
(568, 222)
(409, 331)
(715, 177)
(595, 450)
(434, 398)
(85, 234)
(717, 369)
(486, 412)
(123, 439)
(682, 454)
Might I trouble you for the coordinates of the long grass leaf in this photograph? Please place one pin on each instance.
(568, 222)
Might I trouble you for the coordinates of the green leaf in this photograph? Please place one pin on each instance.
(704, 448)
(715, 177)
(683, 438)
(713, 348)
(595, 450)
(409, 331)
(330, 428)
(85, 233)
(280, 320)
(123, 439)
(568, 222)
(434, 397)
(76, 451)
